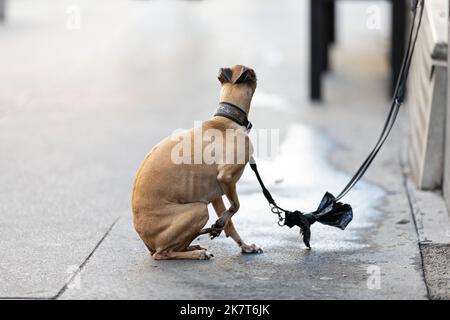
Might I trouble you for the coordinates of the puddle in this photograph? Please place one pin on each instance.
(298, 178)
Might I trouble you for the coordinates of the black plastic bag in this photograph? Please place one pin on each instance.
(329, 212)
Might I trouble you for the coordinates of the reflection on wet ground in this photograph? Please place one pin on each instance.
(297, 178)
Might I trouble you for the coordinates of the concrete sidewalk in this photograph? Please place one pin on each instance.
(78, 117)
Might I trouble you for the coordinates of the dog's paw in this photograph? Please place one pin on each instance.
(245, 248)
(216, 230)
(205, 255)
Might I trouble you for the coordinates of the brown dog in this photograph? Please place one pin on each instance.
(170, 199)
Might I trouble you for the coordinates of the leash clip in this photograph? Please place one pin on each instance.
(278, 211)
(249, 126)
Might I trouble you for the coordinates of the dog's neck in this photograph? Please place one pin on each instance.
(239, 98)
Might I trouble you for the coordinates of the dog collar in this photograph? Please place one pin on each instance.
(234, 113)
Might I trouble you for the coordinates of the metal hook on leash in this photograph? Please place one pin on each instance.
(278, 211)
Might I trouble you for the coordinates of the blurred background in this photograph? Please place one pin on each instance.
(82, 79)
(140, 52)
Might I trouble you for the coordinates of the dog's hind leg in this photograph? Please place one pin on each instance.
(193, 247)
(150, 249)
(186, 220)
(189, 255)
(230, 231)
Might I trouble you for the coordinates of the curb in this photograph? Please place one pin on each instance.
(432, 222)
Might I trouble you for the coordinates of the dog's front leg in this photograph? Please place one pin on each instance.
(227, 178)
(230, 230)
(218, 226)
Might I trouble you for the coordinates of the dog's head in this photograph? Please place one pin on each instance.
(238, 79)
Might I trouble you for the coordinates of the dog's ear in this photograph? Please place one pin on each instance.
(224, 75)
(246, 75)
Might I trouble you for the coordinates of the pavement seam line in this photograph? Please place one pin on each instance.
(410, 198)
(86, 260)
(26, 298)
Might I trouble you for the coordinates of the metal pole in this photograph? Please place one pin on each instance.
(398, 39)
(2, 10)
(317, 48)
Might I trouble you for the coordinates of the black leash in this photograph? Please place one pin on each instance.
(399, 95)
(330, 211)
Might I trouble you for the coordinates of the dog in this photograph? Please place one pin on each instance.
(170, 200)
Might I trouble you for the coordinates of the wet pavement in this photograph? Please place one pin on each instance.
(77, 118)
(338, 266)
